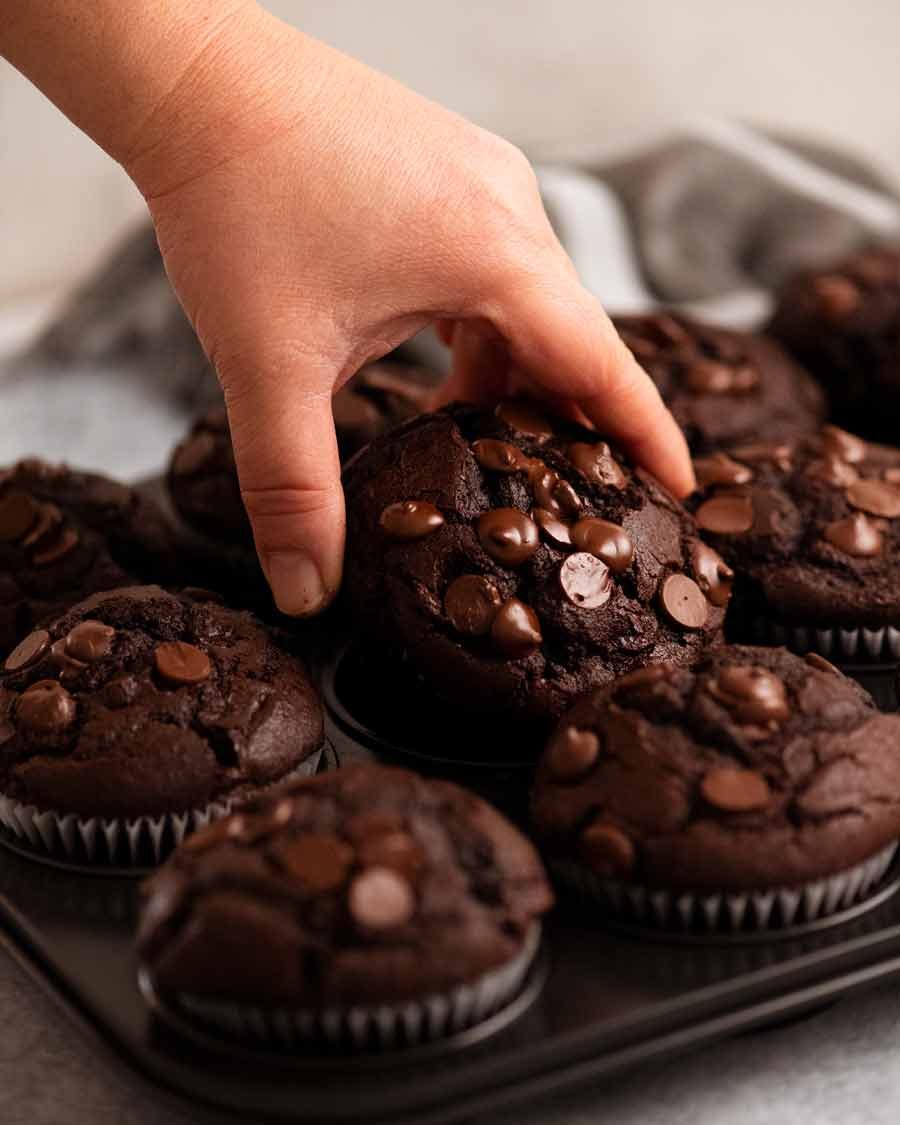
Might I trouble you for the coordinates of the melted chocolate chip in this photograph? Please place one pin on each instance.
(751, 694)
(410, 519)
(832, 470)
(856, 535)
(471, 603)
(647, 676)
(779, 455)
(46, 707)
(878, 498)
(321, 862)
(726, 515)
(719, 468)
(67, 667)
(597, 463)
(839, 443)
(62, 546)
(713, 575)
(735, 790)
(552, 527)
(606, 541)
(17, 515)
(524, 417)
(709, 377)
(499, 456)
(180, 663)
(837, 297)
(90, 641)
(572, 753)
(586, 581)
(516, 630)
(508, 535)
(607, 851)
(380, 899)
(683, 602)
(27, 651)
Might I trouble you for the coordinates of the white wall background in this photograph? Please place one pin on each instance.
(553, 76)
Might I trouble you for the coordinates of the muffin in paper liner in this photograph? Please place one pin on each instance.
(778, 908)
(876, 646)
(361, 1027)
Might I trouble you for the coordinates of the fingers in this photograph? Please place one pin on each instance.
(289, 470)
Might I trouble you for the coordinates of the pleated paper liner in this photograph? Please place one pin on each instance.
(359, 1028)
(781, 910)
(839, 645)
(115, 844)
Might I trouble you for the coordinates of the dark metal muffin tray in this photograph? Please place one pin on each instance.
(600, 999)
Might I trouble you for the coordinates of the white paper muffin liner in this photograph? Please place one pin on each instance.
(381, 1026)
(729, 912)
(837, 644)
(117, 842)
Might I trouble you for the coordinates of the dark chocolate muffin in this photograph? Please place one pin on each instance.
(517, 560)
(692, 794)
(145, 708)
(812, 529)
(65, 534)
(723, 386)
(365, 905)
(844, 324)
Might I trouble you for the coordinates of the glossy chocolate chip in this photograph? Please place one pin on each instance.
(27, 651)
(180, 663)
(586, 581)
(17, 515)
(719, 468)
(726, 515)
(67, 667)
(552, 527)
(837, 297)
(58, 549)
(712, 574)
(752, 694)
(778, 454)
(607, 851)
(524, 417)
(708, 377)
(597, 463)
(193, 454)
(508, 535)
(832, 470)
(605, 540)
(45, 529)
(745, 378)
(572, 753)
(320, 861)
(410, 519)
(554, 494)
(648, 676)
(735, 790)
(471, 603)
(46, 708)
(381, 899)
(846, 446)
(683, 602)
(90, 641)
(516, 630)
(499, 456)
(878, 498)
(397, 851)
(856, 535)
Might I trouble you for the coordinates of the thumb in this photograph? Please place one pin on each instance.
(289, 470)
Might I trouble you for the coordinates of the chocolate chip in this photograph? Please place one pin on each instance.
(380, 899)
(27, 651)
(524, 417)
(516, 630)
(856, 535)
(508, 535)
(713, 575)
(49, 519)
(181, 663)
(553, 528)
(837, 297)
(64, 545)
(410, 519)
(586, 581)
(779, 455)
(683, 602)
(876, 497)
(597, 463)
(745, 378)
(471, 602)
(648, 676)
(17, 515)
(708, 377)
(719, 468)
(607, 851)
(572, 753)
(848, 447)
(814, 660)
(46, 707)
(67, 666)
(193, 454)
(90, 641)
(499, 456)
(607, 541)
(321, 862)
(554, 494)
(832, 470)
(752, 694)
(735, 790)
(726, 515)
(397, 851)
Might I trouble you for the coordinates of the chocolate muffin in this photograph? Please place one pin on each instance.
(722, 386)
(517, 560)
(138, 715)
(756, 788)
(365, 906)
(812, 529)
(844, 324)
(65, 534)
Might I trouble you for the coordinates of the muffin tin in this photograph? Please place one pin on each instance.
(600, 999)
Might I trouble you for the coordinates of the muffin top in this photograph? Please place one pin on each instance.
(362, 885)
(812, 528)
(142, 702)
(752, 769)
(723, 386)
(202, 476)
(65, 534)
(518, 560)
(844, 322)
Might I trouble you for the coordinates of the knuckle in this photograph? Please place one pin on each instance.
(284, 516)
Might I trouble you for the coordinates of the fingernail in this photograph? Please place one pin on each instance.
(297, 585)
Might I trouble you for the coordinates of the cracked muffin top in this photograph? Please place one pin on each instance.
(517, 560)
(752, 769)
(139, 702)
